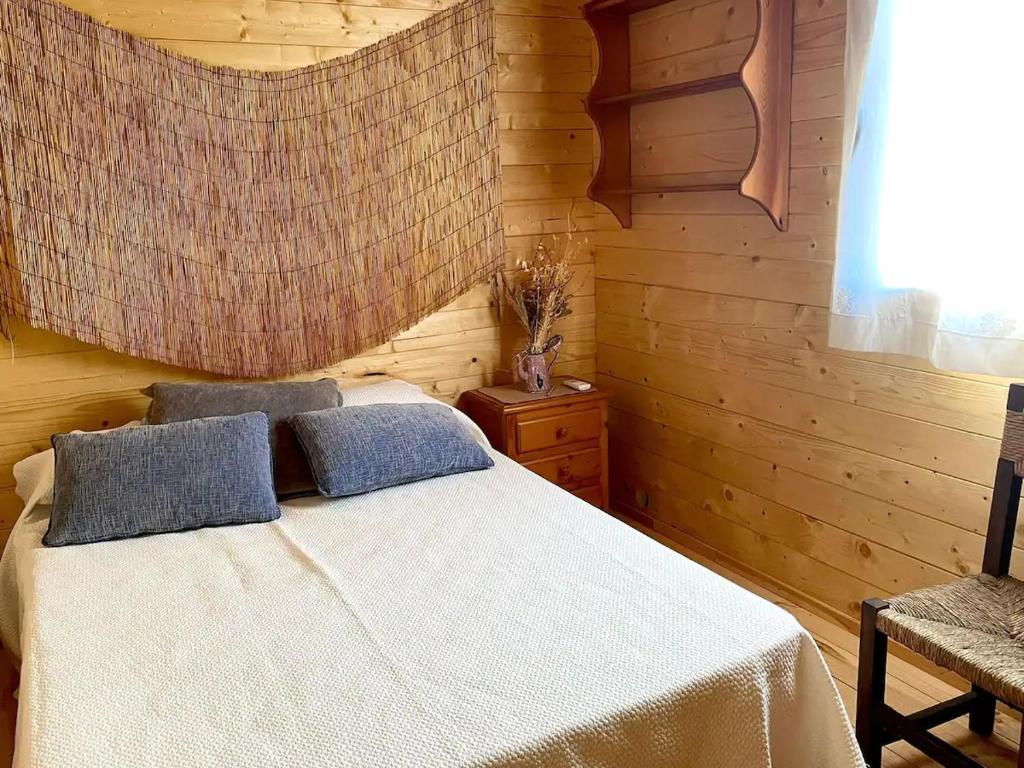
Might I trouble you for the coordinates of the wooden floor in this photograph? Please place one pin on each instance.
(909, 687)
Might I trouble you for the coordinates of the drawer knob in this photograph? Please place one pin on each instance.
(561, 433)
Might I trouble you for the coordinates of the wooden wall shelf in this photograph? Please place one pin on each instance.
(765, 76)
(708, 84)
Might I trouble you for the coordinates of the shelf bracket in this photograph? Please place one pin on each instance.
(612, 119)
(766, 76)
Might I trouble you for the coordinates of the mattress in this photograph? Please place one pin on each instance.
(485, 619)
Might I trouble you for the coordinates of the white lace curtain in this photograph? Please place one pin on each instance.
(930, 261)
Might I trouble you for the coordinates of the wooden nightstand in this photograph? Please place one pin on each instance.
(563, 436)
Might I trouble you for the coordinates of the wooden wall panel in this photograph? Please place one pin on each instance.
(49, 383)
(733, 424)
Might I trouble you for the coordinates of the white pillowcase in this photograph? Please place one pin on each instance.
(33, 477)
(398, 391)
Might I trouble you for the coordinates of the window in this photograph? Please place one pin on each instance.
(930, 259)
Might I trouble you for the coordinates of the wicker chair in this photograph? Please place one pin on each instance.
(973, 626)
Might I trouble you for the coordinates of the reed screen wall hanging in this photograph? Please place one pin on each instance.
(252, 224)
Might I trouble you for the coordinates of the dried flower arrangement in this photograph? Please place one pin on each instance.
(539, 294)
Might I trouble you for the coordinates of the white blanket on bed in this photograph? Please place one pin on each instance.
(487, 619)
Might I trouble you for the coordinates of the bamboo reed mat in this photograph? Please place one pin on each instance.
(251, 224)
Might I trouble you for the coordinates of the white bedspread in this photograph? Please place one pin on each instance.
(487, 619)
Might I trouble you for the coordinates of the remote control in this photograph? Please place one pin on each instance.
(577, 384)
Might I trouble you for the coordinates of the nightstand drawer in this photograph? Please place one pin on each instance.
(571, 471)
(555, 430)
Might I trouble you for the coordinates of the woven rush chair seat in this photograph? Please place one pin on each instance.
(973, 626)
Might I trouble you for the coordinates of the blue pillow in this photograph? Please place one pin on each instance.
(181, 401)
(158, 479)
(361, 448)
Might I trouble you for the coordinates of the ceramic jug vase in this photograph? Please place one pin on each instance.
(534, 370)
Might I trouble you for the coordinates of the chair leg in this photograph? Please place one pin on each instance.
(983, 713)
(1020, 747)
(871, 683)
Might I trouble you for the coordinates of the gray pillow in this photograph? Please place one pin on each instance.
(362, 448)
(278, 399)
(174, 477)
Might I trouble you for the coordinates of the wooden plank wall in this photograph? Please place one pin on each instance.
(49, 383)
(735, 429)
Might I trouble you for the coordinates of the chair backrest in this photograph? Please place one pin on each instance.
(1002, 519)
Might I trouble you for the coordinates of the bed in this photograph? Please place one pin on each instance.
(483, 619)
